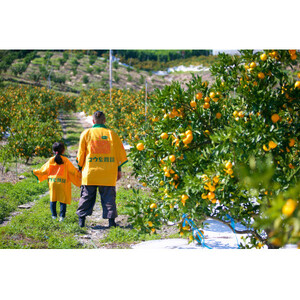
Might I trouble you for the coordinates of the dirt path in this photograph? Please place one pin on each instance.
(96, 226)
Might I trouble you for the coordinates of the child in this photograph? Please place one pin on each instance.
(60, 172)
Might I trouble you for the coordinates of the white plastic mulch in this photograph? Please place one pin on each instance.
(216, 236)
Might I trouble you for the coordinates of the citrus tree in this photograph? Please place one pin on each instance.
(228, 150)
(124, 109)
(28, 115)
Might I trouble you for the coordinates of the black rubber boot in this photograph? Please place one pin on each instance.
(112, 223)
(81, 221)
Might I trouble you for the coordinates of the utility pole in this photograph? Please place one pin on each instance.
(145, 100)
(110, 72)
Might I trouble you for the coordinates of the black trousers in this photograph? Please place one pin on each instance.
(63, 209)
(88, 200)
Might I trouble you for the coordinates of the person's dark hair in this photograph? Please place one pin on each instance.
(99, 117)
(58, 149)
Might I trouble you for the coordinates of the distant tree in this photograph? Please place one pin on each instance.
(18, 68)
(116, 77)
(89, 70)
(85, 79)
(66, 55)
(92, 59)
(35, 77)
(115, 65)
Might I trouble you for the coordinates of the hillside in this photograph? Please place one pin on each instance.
(72, 71)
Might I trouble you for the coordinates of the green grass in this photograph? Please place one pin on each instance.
(13, 195)
(35, 229)
(38, 61)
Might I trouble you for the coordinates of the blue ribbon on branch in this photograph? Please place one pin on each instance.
(199, 237)
(233, 228)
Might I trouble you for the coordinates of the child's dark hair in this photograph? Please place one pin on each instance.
(58, 149)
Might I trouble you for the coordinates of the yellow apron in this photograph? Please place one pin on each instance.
(59, 179)
(100, 153)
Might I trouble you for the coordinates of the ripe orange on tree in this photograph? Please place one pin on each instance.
(199, 96)
(140, 146)
(289, 207)
(206, 105)
(275, 118)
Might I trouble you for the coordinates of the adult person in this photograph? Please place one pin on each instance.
(100, 157)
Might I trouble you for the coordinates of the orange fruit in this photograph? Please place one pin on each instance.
(203, 196)
(289, 207)
(228, 165)
(193, 104)
(275, 118)
(297, 84)
(218, 115)
(153, 205)
(172, 158)
(212, 94)
(206, 105)
(216, 180)
(292, 142)
(272, 145)
(199, 96)
(150, 224)
(188, 139)
(211, 188)
(229, 171)
(207, 99)
(184, 197)
(211, 195)
(164, 135)
(241, 114)
(261, 75)
(140, 146)
(253, 65)
(294, 57)
(292, 52)
(266, 148)
(263, 56)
